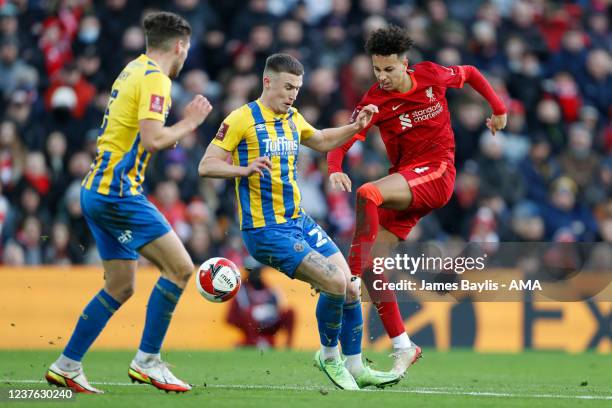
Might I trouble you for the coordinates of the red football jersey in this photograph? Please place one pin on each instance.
(415, 126)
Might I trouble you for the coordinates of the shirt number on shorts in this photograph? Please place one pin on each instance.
(321, 240)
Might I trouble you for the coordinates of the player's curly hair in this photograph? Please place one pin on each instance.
(389, 40)
(162, 27)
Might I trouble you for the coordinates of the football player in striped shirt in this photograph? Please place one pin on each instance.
(263, 139)
(123, 222)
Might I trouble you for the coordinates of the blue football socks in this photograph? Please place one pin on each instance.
(90, 324)
(352, 328)
(161, 305)
(329, 318)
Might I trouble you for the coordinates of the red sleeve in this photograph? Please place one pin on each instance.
(482, 86)
(336, 156)
(448, 77)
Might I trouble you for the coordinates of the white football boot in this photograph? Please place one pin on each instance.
(158, 375)
(404, 358)
(75, 380)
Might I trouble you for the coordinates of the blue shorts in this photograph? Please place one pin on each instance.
(120, 226)
(284, 246)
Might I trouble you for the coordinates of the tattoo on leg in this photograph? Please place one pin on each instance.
(317, 260)
(331, 270)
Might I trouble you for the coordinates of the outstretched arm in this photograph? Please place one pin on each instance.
(497, 121)
(330, 138)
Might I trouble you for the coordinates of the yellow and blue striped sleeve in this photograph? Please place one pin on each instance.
(305, 129)
(232, 131)
(154, 97)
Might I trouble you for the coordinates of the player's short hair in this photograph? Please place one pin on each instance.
(388, 40)
(161, 28)
(278, 63)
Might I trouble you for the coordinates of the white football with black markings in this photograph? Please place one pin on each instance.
(218, 280)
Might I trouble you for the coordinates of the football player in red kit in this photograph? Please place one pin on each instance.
(415, 126)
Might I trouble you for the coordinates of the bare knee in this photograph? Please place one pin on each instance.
(126, 293)
(119, 279)
(334, 282)
(322, 274)
(181, 273)
(121, 293)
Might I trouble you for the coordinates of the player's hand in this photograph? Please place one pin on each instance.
(340, 181)
(365, 116)
(497, 122)
(197, 110)
(258, 165)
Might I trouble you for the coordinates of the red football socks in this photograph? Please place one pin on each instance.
(385, 302)
(368, 200)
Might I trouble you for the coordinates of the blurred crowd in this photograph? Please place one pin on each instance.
(547, 177)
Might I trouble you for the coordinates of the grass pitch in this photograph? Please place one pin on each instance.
(250, 378)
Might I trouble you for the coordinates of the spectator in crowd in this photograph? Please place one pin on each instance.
(88, 63)
(12, 155)
(20, 110)
(525, 78)
(579, 161)
(597, 82)
(498, 178)
(548, 123)
(467, 128)
(5, 208)
(484, 230)
(12, 68)
(29, 237)
(564, 87)
(13, 254)
(600, 189)
(61, 117)
(62, 249)
(455, 216)
(526, 225)
(88, 35)
(605, 221)
(516, 141)
(563, 213)
(199, 244)
(257, 312)
(572, 56)
(539, 169)
(70, 213)
(168, 201)
(599, 30)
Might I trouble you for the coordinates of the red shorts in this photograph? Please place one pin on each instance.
(431, 184)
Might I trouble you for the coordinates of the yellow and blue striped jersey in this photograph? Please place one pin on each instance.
(141, 91)
(252, 131)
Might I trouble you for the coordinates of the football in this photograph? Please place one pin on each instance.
(218, 280)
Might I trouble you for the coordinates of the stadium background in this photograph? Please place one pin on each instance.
(547, 177)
